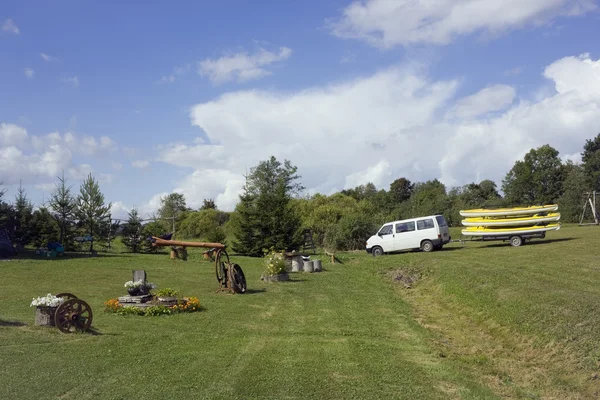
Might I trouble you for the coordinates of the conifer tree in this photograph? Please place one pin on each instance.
(63, 204)
(266, 217)
(91, 210)
(132, 231)
(23, 215)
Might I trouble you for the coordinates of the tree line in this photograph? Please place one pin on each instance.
(272, 213)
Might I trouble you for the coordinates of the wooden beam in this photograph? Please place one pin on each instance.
(163, 242)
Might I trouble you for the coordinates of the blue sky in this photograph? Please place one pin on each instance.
(154, 97)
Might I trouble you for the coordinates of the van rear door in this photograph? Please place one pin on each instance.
(443, 225)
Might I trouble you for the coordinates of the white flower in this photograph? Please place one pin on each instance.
(49, 301)
(131, 284)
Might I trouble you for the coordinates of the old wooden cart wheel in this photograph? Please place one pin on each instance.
(73, 315)
(221, 263)
(66, 295)
(238, 280)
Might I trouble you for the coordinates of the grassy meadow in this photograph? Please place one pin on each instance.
(473, 321)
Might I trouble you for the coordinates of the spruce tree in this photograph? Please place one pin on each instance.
(132, 231)
(23, 215)
(44, 228)
(91, 210)
(63, 204)
(266, 218)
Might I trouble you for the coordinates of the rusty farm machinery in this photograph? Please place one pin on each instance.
(229, 275)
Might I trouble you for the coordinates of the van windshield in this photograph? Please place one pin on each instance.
(441, 220)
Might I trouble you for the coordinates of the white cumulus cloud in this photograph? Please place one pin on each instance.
(29, 73)
(242, 66)
(389, 23)
(491, 98)
(390, 124)
(9, 26)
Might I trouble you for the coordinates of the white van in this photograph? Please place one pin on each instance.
(425, 233)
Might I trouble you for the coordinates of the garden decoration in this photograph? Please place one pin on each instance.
(138, 289)
(65, 311)
(230, 276)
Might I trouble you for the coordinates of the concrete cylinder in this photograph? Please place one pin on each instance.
(309, 266)
(297, 264)
(318, 265)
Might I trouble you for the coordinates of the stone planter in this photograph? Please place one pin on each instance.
(318, 265)
(44, 316)
(167, 301)
(309, 266)
(276, 278)
(297, 264)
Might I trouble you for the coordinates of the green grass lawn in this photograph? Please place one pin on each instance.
(484, 320)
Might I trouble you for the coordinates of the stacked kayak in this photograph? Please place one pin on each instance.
(510, 221)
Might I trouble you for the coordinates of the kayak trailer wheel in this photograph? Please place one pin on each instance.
(516, 241)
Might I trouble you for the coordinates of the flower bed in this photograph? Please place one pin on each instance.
(185, 304)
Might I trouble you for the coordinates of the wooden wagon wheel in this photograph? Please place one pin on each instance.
(67, 295)
(237, 278)
(221, 267)
(73, 315)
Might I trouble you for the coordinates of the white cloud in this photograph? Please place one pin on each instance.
(39, 159)
(387, 125)
(388, 23)
(105, 178)
(574, 158)
(219, 184)
(491, 98)
(142, 164)
(9, 26)
(378, 174)
(47, 58)
(73, 81)
(177, 71)
(82, 144)
(580, 75)
(29, 73)
(241, 66)
(117, 166)
(11, 135)
(150, 207)
(119, 210)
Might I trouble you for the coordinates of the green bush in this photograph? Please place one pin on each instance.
(167, 292)
(274, 263)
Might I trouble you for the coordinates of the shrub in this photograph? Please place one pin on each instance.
(274, 263)
(167, 292)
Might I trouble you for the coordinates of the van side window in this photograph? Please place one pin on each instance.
(386, 230)
(405, 227)
(425, 224)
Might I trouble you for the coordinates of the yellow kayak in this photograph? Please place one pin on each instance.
(515, 221)
(499, 212)
(504, 231)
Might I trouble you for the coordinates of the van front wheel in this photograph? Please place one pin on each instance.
(377, 251)
(427, 246)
